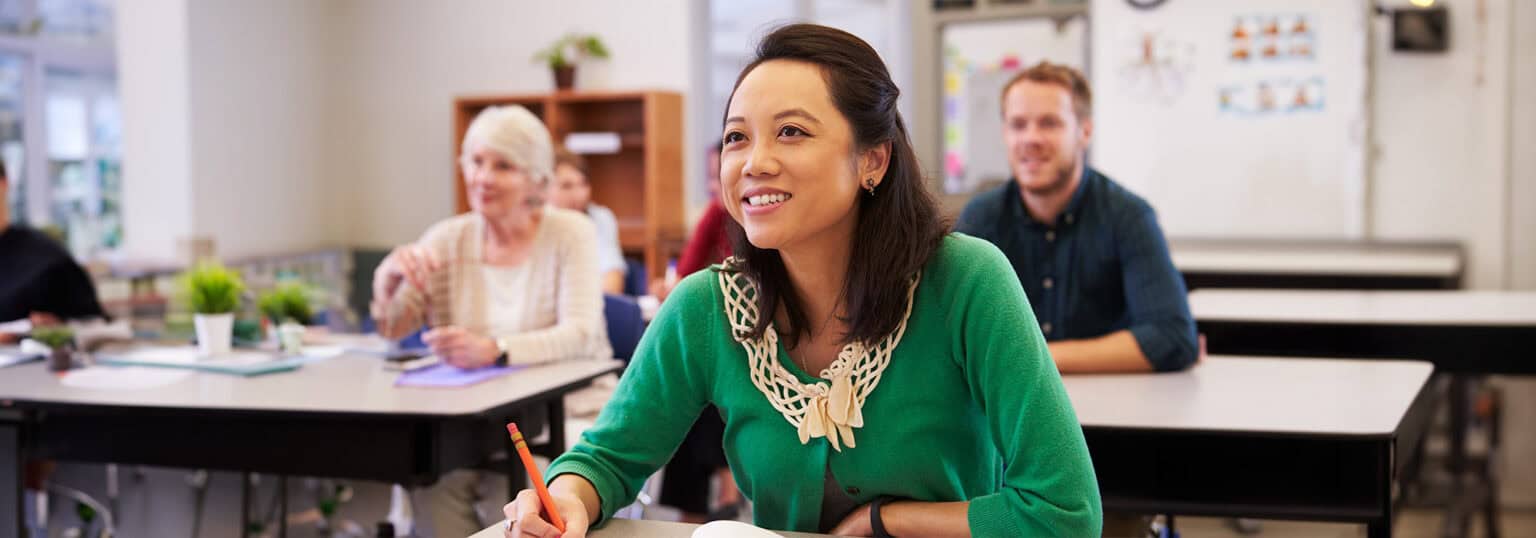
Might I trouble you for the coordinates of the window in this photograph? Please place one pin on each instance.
(60, 127)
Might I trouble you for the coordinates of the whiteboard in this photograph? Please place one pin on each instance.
(1235, 118)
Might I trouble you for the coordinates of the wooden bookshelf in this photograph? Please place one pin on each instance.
(642, 183)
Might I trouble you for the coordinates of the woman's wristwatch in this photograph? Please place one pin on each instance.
(501, 355)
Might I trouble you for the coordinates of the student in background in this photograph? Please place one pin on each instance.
(571, 190)
(707, 245)
(876, 374)
(685, 483)
(511, 282)
(39, 279)
(1089, 252)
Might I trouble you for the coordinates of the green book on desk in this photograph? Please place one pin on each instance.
(237, 362)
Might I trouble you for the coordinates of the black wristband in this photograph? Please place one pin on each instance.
(875, 524)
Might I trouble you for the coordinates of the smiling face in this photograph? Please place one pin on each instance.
(495, 187)
(1044, 136)
(788, 172)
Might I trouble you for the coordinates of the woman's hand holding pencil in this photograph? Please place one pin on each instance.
(526, 517)
(540, 513)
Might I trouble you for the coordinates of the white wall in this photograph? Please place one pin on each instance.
(153, 84)
(406, 60)
(1519, 479)
(1439, 123)
(1523, 149)
(259, 86)
(285, 125)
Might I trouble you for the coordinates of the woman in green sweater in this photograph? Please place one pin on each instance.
(898, 385)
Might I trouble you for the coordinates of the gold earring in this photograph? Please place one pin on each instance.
(869, 185)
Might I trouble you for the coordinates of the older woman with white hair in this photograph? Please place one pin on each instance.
(511, 282)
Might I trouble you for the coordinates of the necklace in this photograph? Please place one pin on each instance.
(814, 409)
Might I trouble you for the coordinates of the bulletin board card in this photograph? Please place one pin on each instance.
(1237, 118)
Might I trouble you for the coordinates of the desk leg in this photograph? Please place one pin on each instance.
(12, 522)
(1458, 407)
(1379, 529)
(556, 445)
(282, 506)
(245, 504)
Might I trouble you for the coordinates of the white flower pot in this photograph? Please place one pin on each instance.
(214, 332)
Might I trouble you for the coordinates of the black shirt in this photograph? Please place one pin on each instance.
(38, 275)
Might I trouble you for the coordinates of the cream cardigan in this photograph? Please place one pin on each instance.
(561, 316)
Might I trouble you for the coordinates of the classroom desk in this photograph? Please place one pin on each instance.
(340, 417)
(1240, 436)
(1257, 437)
(1317, 264)
(1472, 332)
(1466, 334)
(639, 528)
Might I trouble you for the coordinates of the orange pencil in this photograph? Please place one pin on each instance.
(535, 477)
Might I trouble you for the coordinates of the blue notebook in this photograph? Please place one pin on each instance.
(443, 375)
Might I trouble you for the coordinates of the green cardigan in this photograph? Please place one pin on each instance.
(970, 408)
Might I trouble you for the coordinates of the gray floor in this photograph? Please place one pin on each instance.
(160, 505)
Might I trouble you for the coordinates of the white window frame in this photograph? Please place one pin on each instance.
(38, 54)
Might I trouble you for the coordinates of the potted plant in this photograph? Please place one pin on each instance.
(213, 294)
(60, 340)
(287, 309)
(562, 55)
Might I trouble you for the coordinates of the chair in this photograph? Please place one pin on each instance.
(624, 325)
(636, 281)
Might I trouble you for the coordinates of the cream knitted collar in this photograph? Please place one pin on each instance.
(814, 409)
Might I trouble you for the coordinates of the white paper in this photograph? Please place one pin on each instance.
(731, 529)
(127, 378)
(20, 326)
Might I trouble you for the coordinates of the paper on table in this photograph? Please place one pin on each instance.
(20, 326)
(127, 378)
(444, 375)
(13, 355)
(732, 529)
(322, 352)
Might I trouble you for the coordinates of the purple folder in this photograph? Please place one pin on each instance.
(443, 375)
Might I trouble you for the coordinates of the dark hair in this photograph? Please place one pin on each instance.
(1067, 77)
(899, 227)
(571, 159)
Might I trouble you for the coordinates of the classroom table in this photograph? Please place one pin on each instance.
(1242, 437)
(1317, 264)
(640, 528)
(1466, 334)
(1259, 437)
(340, 417)
(1473, 332)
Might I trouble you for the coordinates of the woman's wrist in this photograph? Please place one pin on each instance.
(880, 516)
(577, 487)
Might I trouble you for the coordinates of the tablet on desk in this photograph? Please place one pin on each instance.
(408, 361)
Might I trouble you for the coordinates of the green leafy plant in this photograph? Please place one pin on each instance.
(54, 337)
(571, 48)
(212, 288)
(287, 301)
